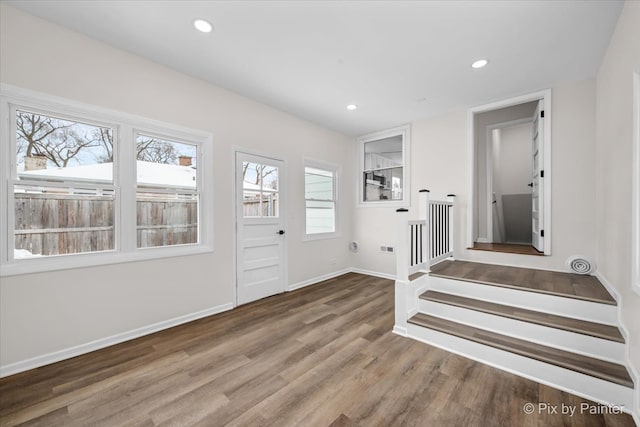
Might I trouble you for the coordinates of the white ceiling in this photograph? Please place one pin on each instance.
(398, 61)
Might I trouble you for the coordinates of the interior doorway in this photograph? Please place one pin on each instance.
(510, 181)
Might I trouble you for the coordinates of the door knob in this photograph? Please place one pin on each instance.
(280, 232)
(530, 184)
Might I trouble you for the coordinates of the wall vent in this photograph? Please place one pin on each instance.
(580, 264)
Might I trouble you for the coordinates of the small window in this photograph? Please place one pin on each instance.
(167, 192)
(384, 168)
(320, 192)
(64, 194)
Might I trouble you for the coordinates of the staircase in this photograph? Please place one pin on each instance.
(555, 328)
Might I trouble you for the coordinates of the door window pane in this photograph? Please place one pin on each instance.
(260, 185)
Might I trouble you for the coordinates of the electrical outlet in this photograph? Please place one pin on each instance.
(383, 249)
(390, 249)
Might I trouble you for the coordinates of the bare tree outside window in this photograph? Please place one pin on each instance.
(260, 190)
(62, 143)
(51, 218)
(54, 220)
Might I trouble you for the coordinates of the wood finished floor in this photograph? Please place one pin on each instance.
(568, 285)
(507, 248)
(320, 356)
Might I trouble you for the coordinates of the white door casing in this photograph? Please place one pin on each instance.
(537, 194)
(260, 231)
(545, 158)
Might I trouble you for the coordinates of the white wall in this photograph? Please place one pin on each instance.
(614, 90)
(49, 312)
(439, 163)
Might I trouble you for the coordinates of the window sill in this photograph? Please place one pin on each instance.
(385, 204)
(320, 236)
(66, 262)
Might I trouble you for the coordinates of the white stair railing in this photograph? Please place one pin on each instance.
(420, 243)
(441, 227)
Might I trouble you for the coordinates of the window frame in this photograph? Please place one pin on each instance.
(125, 126)
(405, 133)
(336, 170)
(153, 133)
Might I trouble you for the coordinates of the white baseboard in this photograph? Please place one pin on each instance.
(636, 398)
(317, 279)
(608, 286)
(623, 329)
(483, 240)
(374, 273)
(400, 330)
(56, 356)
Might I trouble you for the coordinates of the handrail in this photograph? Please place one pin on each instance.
(420, 243)
(427, 240)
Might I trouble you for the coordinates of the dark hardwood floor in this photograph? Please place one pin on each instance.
(323, 355)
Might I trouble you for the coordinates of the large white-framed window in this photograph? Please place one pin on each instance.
(635, 197)
(321, 199)
(384, 159)
(84, 186)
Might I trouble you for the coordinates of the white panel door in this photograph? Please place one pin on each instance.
(537, 195)
(260, 233)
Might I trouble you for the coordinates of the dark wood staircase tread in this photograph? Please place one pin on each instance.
(597, 368)
(416, 275)
(593, 329)
(567, 285)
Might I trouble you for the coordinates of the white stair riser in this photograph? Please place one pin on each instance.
(567, 307)
(552, 337)
(573, 382)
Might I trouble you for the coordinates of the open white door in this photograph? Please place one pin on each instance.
(537, 195)
(260, 234)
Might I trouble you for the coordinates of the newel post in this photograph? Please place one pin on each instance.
(402, 271)
(452, 199)
(402, 245)
(424, 214)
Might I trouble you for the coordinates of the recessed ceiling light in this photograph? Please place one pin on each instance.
(351, 107)
(202, 25)
(479, 63)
